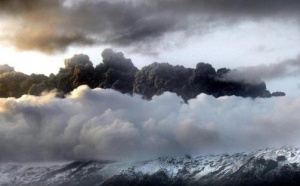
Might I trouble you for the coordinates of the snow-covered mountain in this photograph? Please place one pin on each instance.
(264, 167)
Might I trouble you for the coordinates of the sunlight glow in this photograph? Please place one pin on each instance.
(30, 62)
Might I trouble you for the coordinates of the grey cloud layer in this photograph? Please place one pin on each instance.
(105, 124)
(128, 22)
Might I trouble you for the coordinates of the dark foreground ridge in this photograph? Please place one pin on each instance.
(270, 167)
(119, 73)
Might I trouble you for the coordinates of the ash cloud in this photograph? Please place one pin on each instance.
(105, 124)
(119, 73)
(49, 42)
(130, 23)
(254, 74)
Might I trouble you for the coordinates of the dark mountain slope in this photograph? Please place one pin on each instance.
(276, 167)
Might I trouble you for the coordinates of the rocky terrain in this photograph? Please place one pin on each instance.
(264, 167)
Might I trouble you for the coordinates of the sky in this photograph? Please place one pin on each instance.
(259, 38)
(36, 36)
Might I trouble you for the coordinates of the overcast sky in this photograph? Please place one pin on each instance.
(37, 35)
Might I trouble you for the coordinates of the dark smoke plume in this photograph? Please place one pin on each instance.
(119, 73)
(254, 74)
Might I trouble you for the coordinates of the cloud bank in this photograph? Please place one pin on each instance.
(105, 124)
(54, 25)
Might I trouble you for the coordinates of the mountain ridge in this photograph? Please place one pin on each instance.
(264, 167)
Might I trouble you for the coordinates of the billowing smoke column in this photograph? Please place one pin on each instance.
(118, 73)
(105, 124)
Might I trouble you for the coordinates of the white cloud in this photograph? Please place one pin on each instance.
(105, 124)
